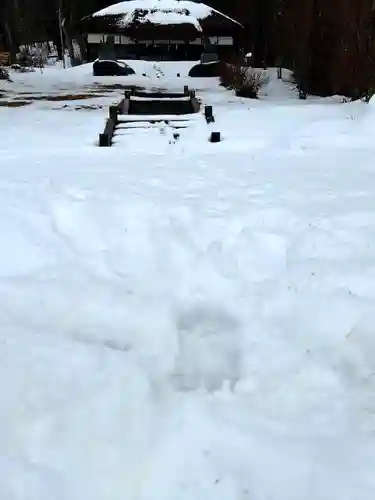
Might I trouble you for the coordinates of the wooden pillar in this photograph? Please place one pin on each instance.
(208, 114)
(113, 111)
(105, 139)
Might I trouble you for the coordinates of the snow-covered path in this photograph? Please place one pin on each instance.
(189, 320)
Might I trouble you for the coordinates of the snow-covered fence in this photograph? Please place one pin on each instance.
(161, 103)
(105, 138)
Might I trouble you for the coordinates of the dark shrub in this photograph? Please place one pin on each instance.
(205, 70)
(254, 80)
(4, 73)
(111, 68)
(244, 80)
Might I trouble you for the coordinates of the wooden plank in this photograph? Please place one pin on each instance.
(113, 113)
(125, 107)
(191, 117)
(131, 130)
(120, 105)
(195, 104)
(182, 98)
(133, 125)
(160, 107)
(158, 95)
(105, 139)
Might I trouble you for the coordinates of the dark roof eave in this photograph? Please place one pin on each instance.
(209, 30)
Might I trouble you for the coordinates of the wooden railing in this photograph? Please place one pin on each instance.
(155, 103)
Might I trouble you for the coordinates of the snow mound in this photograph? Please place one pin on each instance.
(160, 12)
(198, 10)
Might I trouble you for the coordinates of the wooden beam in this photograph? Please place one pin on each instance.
(105, 139)
(209, 114)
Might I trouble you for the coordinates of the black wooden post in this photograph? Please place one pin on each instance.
(113, 112)
(209, 114)
(105, 139)
(215, 137)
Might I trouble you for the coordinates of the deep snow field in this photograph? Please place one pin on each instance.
(187, 321)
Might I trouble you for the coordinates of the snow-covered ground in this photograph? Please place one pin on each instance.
(191, 320)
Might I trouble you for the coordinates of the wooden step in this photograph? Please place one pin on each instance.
(158, 118)
(147, 124)
(160, 107)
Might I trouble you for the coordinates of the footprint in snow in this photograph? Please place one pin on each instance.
(208, 349)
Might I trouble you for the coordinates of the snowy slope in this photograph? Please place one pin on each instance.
(188, 320)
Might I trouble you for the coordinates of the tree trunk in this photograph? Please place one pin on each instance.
(11, 45)
(57, 43)
(82, 48)
(69, 44)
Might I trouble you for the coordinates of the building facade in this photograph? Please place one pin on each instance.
(147, 29)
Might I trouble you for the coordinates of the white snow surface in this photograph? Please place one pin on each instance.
(199, 10)
(161, 12)
(186, 320)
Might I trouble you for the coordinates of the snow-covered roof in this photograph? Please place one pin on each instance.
(160, 12)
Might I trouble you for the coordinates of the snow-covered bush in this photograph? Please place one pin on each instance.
(32, 56)
(22, 69)
(253, 82)
(228, 75)
(244, 80)
(368, 95)
(24, 58)
(4, 73)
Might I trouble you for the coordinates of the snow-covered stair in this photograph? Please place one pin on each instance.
(132, 130)
(145, 119)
